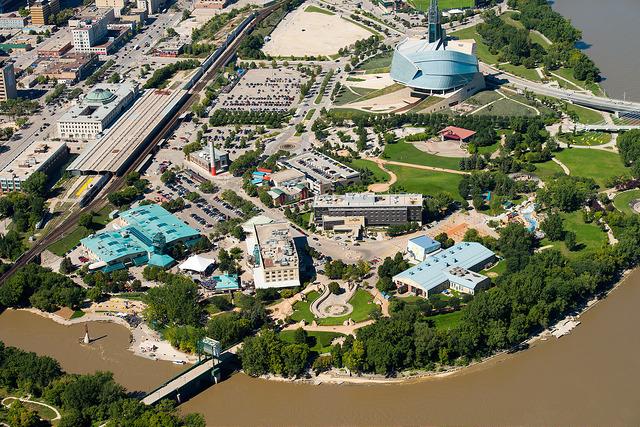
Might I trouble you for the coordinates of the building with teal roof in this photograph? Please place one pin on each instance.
(142, 235)
(453, 268)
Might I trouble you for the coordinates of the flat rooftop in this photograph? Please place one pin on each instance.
(99, 103)
(112, 151)
(438, 268)
(321, 167)
(30, 160)
(276, 245)
(365, 200)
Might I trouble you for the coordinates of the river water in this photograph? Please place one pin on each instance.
(611, 30)
(589, 377)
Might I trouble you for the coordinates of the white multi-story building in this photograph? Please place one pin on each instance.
(273, 256)
(98, 110)
(90, 31)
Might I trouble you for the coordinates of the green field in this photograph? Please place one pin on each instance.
(426, 182)
(423, 5)
(348, 96)
(586, 138)
(547, 170)
(381, 60)
(378, 174)
(319, 341)
(507, 17)
(496, 270)
(483, 98)
(586, 116)
(447, 320)
(482, 49)
(622, 200)
(507, 107)
(588, 236)
(597, 164)
(407, 153)
(489, 149)
(363, 306)
(317, 9)
(567, 73)
(309, 114)
(348, 113)
(521, 71)
(72, 239)
(301, 308)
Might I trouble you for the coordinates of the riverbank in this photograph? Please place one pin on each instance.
(144, 341)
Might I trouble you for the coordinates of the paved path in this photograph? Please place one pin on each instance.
(429, 168)
(341, 329)
(382, 187)
(28, 400)
(562, 165)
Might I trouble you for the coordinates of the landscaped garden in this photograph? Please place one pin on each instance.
(362, 303)
(597, 164)
(623, 200)
(586, 138)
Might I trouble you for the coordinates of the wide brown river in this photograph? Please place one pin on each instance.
(589, 377)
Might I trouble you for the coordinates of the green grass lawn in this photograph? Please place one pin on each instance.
(378, 174)
(426, 182)
(622, 200)
(489, 148)
(521, 71)
(423, 5)
(597, 164)
(407, 153)
(483, 98)
(309, 114)
(496, 270)
(378, 92)
(507, 17)
(586, 116)
(547, 170)
(381, 60)
(424, 104)
(567, 73)
(348, 96)
(538, 39)
(348, 113)
(482, 49)
(586, 138)
(507, 107)
(363, 306)
(302, 310)
(588, 236)
(317, 9)
(447, 320)
(77, 314)
(319, 341)
(72, 239)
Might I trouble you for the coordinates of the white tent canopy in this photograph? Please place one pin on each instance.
(196, 263)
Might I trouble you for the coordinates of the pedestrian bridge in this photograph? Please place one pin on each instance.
(186, 384)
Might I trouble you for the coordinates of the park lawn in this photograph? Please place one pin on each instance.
(363, 306)
(586, 138)
(405, 152)
(379, 92)
(317, 9)
(497, 270)
(309, 114)
(507, 17)
(380, 60)
(588, 236)
(378, 174)
(423, 5)
(597, 164)
(77, 314)
(71, 240)
(302, 310)
(424, 104)
(538, 39)
(447, 320)
(482, 49)
(483, 98)
(547, 170)
(521, 71)
(567, 73)
(426, 182)
(507, 107)
(348, 113)
(321, 340)
(586, 116)
(348, 96)
(489, 149)
(622, 200)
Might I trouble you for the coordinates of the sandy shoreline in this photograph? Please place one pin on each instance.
(141, 340)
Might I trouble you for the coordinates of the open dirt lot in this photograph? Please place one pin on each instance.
(307, 33)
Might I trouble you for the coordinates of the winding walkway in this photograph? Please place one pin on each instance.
(382, 187)
(564, 167)
(33, 402)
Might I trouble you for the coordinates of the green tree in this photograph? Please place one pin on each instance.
(552, 227)
(294, 359)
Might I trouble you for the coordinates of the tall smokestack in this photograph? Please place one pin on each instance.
(212, 158)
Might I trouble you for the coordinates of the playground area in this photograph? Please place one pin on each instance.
(525, 214)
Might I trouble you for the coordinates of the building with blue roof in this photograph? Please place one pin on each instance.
(428, 66)
(420, 247)
(455, 268)
(141, 235)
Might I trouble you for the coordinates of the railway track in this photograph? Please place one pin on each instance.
(117, 182)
